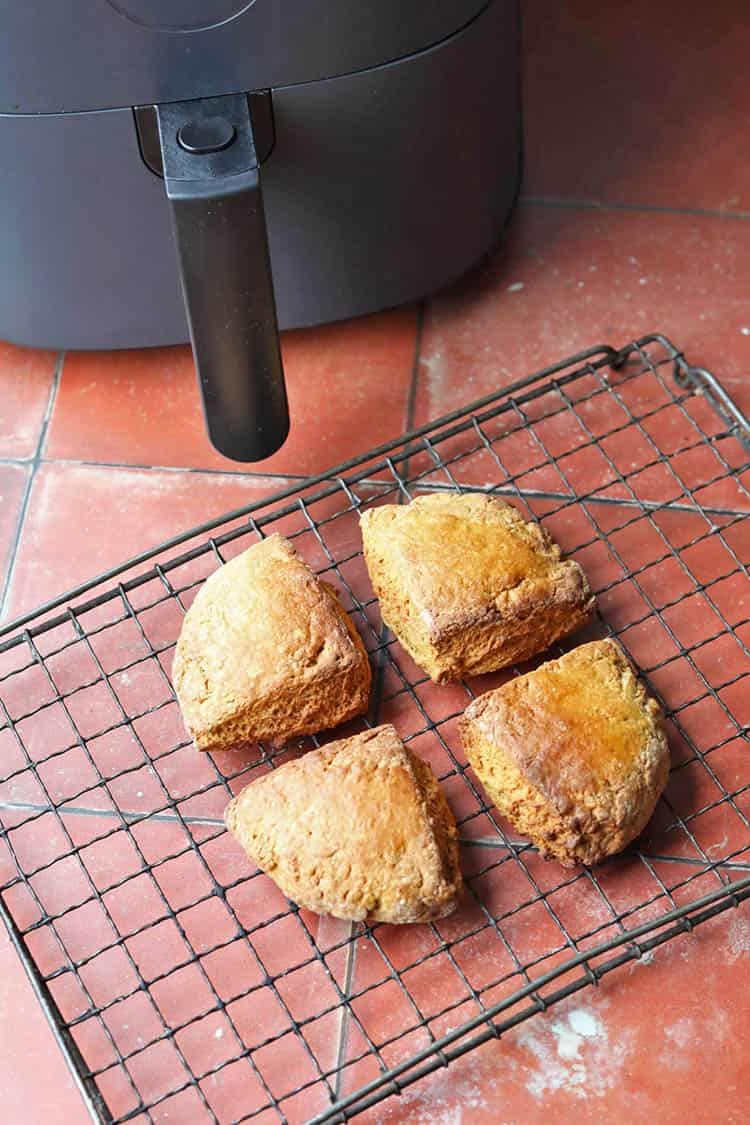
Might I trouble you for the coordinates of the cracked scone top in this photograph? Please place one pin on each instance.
(573, 754)
(467, 585)
(266, 653)
(358, 829)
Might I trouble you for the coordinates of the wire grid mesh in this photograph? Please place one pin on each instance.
(180, 982)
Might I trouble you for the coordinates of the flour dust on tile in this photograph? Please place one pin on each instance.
(573, 1053)
(738, 936)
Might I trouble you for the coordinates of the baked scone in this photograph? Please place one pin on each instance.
(467, 585)
(266, 653)
(574, 754)
(358, 829)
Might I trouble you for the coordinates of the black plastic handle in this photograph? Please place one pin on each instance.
(212, 179)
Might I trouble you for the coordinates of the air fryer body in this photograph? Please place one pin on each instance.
(395, 161)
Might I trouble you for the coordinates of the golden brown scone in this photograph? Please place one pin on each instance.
(574, 754)
(359, 829)
(467, 585)
(266, 653)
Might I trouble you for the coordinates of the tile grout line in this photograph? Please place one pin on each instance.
(242, 473)
(555, 201)
(139, 467)
(111, 813)
(344, 1018)
(342, 1043)
(19, 462)
(351, 949)
(35, 462)
(216, 822)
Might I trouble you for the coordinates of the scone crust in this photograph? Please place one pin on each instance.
(574, 754)
(467, 585)
(358, 829)
(266, 653)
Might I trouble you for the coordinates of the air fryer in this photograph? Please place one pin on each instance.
(308, 160)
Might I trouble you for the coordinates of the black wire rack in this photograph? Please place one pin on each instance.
(177, 980)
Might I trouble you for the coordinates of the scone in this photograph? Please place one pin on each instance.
(574, 754)
(467, 585)
(359, 829)
(266, 653)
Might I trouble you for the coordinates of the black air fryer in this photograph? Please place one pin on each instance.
(309, 159)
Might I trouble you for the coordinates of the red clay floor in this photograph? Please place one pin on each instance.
(635, 217)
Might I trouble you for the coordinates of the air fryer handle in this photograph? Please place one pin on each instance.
(212, 180)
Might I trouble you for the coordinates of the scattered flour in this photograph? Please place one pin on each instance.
(738, 936)
(680, 1033)
(708, 1025)
(573, 1053)
(447, 1101)
(435, 370)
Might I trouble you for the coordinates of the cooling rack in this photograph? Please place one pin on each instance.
(179, 982)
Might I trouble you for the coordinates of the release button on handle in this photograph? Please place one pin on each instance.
(210, 134)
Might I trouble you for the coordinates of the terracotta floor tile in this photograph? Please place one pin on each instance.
(405, 946)
(300, 1108)
(183, 880)
(282, 945)
(435, 984)
(208, 1042)
(259, 1016)
(348, 386)
(285, 1065)
(159, 950)
(133, 1022)
(308, 992)
(595, 1055)
(734, 699)
(27, 1048)
(564, 279)
(188, 1105)
(612, 111)
(385, 1011)
(81, 520)
(13, 479)
(160, 947)
(236, 1084)
(727, 764)
(233, 970)
(26, 376)
(589, 277)
(483, 958)
(157, 1070)
(184, 772)
(137, 903)
(257, 903)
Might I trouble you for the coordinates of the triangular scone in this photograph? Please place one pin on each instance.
(467, 585)
(359, 829)
(266, 653)
(573, 754)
